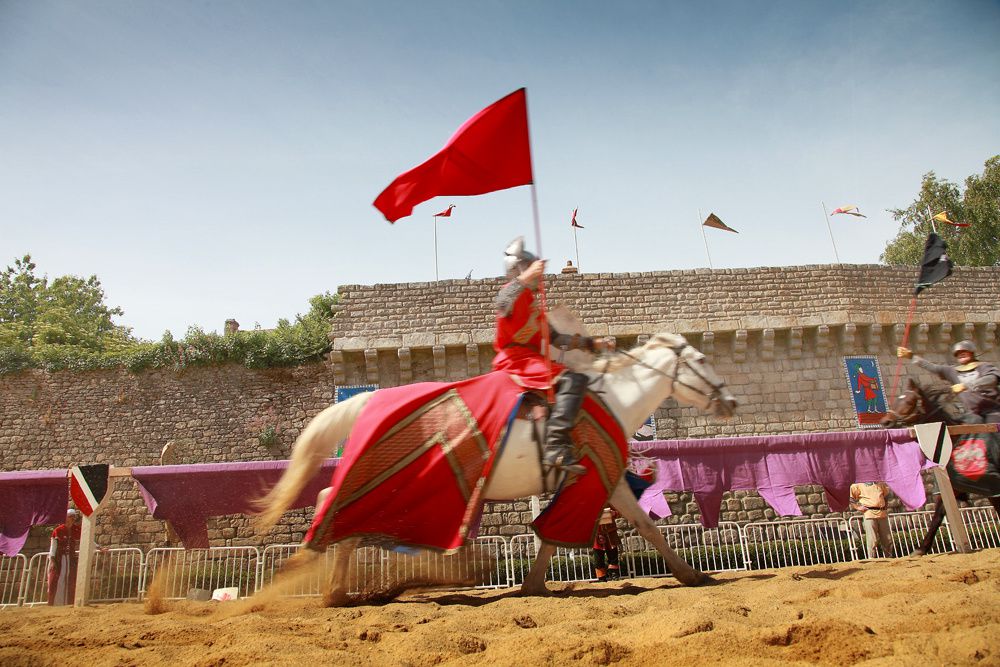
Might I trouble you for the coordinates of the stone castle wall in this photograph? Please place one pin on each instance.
(777, 335)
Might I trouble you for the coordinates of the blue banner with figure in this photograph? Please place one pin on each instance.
(344, 393)
(864, 381)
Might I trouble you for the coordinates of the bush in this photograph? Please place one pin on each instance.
(288, 344)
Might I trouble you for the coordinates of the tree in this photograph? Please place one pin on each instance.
(975, 245)
(44, 318)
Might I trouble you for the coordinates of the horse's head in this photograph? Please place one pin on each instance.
(917, 405)
(695, 382)
(907, 409)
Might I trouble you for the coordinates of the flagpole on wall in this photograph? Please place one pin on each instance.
(577, 245)
(830, 229)
(705, 239)
(931, 216)
(436, 248)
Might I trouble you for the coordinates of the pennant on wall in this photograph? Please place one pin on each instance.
(849, 210)
(88, 485)
(714, 222)
(943, 217)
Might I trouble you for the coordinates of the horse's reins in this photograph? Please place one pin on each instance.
(675, 378)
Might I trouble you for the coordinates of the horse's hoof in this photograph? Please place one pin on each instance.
(705, 580)
(534, 592)
(336, 599)
(697, 579)
(918, 552)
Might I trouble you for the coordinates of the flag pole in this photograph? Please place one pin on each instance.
(931, 216)
(830, 229)
(543, 306)
(436, 248)
(577, 245)
(906, 338)
(701, 223)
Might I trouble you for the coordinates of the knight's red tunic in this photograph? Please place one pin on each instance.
(518, 344)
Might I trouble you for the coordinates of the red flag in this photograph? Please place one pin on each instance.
(490, 152)
(573, 223)
(445, 213)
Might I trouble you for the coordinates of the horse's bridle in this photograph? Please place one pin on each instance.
(917, 414)
(678, 351)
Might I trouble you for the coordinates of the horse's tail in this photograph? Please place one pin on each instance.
(315, 444)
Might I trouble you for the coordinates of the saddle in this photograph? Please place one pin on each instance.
(536, 409)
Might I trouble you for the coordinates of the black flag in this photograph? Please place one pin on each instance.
(936, 265)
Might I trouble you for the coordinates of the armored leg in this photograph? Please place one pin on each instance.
(559, 451)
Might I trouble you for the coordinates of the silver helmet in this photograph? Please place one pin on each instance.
(964, 346)
(516, 258)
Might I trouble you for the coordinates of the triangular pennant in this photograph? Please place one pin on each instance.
(713, 221)
(849, 210)
(943, 217)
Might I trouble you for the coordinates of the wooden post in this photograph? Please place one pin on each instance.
(955, 523)
(88, 534)
(85, 563)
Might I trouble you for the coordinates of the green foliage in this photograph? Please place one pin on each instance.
(51, 320)
(979, 205)
(65, 325)
(268, 437)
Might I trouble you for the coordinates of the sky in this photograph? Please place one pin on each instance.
(218, 159)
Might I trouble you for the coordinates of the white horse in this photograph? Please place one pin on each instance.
(632, 385)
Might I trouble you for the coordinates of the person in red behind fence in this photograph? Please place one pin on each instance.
(607, 546)
(62, 560)
(873, 499)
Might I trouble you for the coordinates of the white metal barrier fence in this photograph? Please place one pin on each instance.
(773, 544)
(12, 578)
(36, 581)
(490, 562)
(117, 575)
(483, 564)
(175, 572)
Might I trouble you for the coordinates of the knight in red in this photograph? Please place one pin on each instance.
(518, 345)
(62, 560)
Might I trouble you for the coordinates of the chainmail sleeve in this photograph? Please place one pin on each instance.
(507, 296)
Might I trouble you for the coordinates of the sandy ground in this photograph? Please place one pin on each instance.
(936, 610)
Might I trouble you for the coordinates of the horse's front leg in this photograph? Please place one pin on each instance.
(340, 580)
(534, 582)
(928, 542)
(624, 501)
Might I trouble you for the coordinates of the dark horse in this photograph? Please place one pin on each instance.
(919, 405)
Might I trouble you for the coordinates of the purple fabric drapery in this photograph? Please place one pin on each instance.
(774, 465)
(187, 495)
(30, 498)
